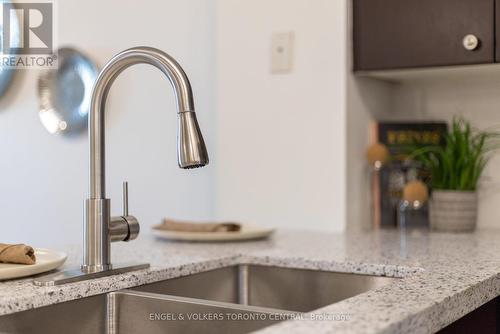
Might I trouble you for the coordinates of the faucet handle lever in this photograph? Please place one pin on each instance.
(125, 198)
(124, 228)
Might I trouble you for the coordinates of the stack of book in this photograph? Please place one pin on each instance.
(400, 138)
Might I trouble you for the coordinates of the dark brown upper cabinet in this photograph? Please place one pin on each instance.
(497, 33)
(392, 34)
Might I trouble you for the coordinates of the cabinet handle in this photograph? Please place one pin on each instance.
(470, 42)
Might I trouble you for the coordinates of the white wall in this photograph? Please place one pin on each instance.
(281, 138)
(279, 154)
(367, 99)
(44, 177)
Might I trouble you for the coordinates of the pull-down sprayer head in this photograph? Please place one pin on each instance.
(191, 150)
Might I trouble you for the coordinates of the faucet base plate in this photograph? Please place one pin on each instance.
(77, 275)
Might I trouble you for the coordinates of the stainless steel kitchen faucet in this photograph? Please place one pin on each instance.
(100, 229)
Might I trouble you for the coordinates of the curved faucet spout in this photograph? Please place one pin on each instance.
(100, 228)
(191, 148)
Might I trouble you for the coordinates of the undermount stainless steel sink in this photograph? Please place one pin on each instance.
(280, 288)
(237, 299)
(131, 312)
(140, 312)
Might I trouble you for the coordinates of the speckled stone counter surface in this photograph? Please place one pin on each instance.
(444, 276)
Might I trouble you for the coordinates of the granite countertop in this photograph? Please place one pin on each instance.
(444, 276)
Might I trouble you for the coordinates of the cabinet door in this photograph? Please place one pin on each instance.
(497, 33)
(391, 34)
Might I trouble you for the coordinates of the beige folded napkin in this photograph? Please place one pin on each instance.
(20, 254)
(184, 226)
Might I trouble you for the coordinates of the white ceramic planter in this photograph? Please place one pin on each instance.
(453, 211)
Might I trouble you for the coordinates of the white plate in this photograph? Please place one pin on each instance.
(46, 260)
(247, 232)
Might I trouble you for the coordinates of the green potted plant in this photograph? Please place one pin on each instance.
(455, 170)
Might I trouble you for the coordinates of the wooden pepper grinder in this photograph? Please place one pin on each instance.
(415, 195)
(377, 156)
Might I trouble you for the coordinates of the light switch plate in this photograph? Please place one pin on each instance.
(282, 52)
